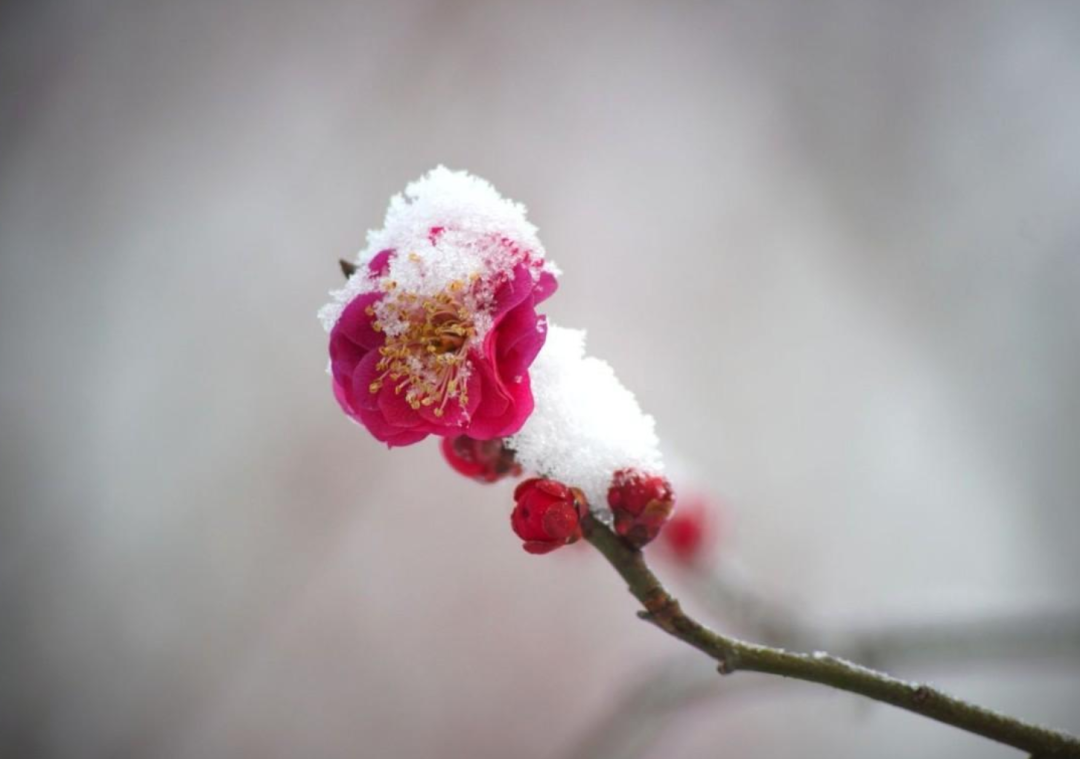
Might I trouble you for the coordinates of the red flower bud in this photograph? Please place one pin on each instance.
(691, 532)
(547, 514)
(482, 460)
(640, 503)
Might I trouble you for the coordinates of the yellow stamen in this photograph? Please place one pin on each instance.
(428, 355)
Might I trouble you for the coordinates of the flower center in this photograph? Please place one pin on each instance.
(424, 355)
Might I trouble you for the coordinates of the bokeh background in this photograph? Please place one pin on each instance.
(833, 247)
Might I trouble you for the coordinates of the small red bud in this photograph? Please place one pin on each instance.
(640, 503)
(482, 460)
(691, 532)
(547, 514)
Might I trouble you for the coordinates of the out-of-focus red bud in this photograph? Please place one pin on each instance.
(691, 532)
(482, 460)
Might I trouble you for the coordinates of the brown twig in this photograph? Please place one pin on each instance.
(956, 641)
(733, 655)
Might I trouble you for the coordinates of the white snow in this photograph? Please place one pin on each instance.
(482, 235)
(586, 424)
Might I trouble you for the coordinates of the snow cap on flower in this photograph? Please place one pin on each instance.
(547, 514)
(436, 329)
(640, 504)
(586, 425)
(481, 460)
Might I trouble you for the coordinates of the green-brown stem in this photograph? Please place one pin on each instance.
(733, 655)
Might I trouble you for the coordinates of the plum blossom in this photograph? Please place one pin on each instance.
(436, 329)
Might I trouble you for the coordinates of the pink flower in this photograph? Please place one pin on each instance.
(547, 514)
(407, 363)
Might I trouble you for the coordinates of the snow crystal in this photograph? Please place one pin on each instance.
(586, 425)
(447, 227)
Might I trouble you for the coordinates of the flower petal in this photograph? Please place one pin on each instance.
(395, 409)
(545, 287)
(540, 547)
(355, 324)
(345, 355)
(380, 262)
(510, 420)
(560, 521)
(341, 396)
(388, 433)
(512, 291)
(518, 340)
(363, 375)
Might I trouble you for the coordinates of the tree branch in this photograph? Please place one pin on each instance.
(988, 638)
(733, 655)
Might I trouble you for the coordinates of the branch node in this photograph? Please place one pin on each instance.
(662, 609)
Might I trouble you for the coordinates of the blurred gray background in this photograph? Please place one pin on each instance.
(832, 246)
